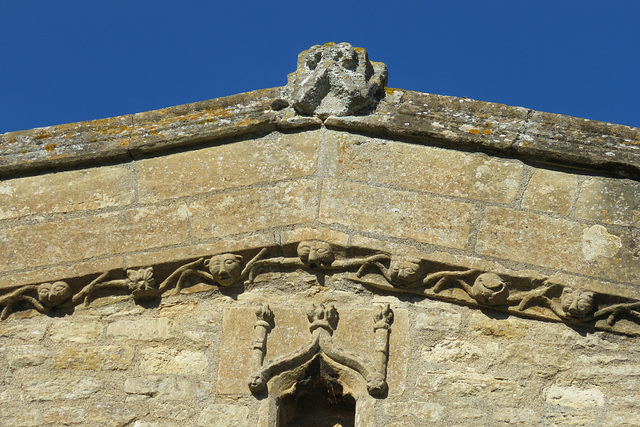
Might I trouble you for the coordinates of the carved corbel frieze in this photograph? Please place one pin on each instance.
(538, 297)
(524, 295)
(323, 321)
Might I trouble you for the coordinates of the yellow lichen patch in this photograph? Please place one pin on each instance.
(487, 132)
(391, 91)
(247, 121)
(123, 143)
(474, 131)
(50, 147)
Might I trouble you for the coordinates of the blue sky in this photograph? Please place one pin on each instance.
(66, 61)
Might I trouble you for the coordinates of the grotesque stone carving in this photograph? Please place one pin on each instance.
(315, 253)
(323, 321)
(225, 269)
(523, 295)
(335, 79)
(141, 283)
(490, 289)
(576, 303)
(52, 294)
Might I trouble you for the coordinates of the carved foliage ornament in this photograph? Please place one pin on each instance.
(538, 297)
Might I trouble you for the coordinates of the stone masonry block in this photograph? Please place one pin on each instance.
(254, 209)
(560, 243)
(610, 201)
(550, 191)
(401, 214)
(272, 158)
(80, 238)
(66, 192)
(433, 170)
(143, 329)
(95, 358)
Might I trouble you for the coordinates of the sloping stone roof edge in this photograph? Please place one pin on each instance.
(450, 122)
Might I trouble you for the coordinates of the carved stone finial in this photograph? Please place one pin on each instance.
(335, 79)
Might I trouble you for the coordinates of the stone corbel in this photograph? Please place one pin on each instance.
(323, 322)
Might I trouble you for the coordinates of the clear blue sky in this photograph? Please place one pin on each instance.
(66, 61)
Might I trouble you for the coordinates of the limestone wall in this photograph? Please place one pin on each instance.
(185, 358)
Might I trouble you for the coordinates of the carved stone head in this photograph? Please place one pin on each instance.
(321, 316)
(489, 288)
(404, 271)
(51, 294)
(141, 283)
(315, 253)
(225, 268)
(335, 79)
(576, 303)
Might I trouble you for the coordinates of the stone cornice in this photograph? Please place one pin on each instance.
(450, 122)
(417, 276)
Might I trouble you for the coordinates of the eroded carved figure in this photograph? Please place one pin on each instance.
(315, 253)
(52, 294)
(335, 79)
(225, 269)
(141, 283)
(489, 288)
(576, 303)
(404, 271)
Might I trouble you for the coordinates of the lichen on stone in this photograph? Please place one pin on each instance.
(335, 79)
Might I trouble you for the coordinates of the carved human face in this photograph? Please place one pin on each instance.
(51, 294)
(141, 283)
(315, 253)
(576, 303)
(489, 288)
(225, 268)
(404, 271)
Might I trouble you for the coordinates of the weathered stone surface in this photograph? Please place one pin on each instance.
(78, 331)
(80, 238)
(64, 145)
(273, 158)
(144, 329)
(23, 331)
(203, 121)
(550, 191)
(110, 357)
(392, 213)
(224, 415)
(68, 387)
(469, 384)
(559, 243)
(609, 201)
(172, 360)
(416, 411)
(159, 387)
(67, 192)
(254, 209)
(64, 415)
(570, 140)
(20, 416)
(335, 79)
(22, 356)
(428, 169)
(438, 316)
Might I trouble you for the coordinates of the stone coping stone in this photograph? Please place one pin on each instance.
(450, 122)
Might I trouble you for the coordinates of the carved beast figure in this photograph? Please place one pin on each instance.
(576, 303)
(404, 271)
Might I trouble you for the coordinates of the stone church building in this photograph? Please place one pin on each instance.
(329, 253)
